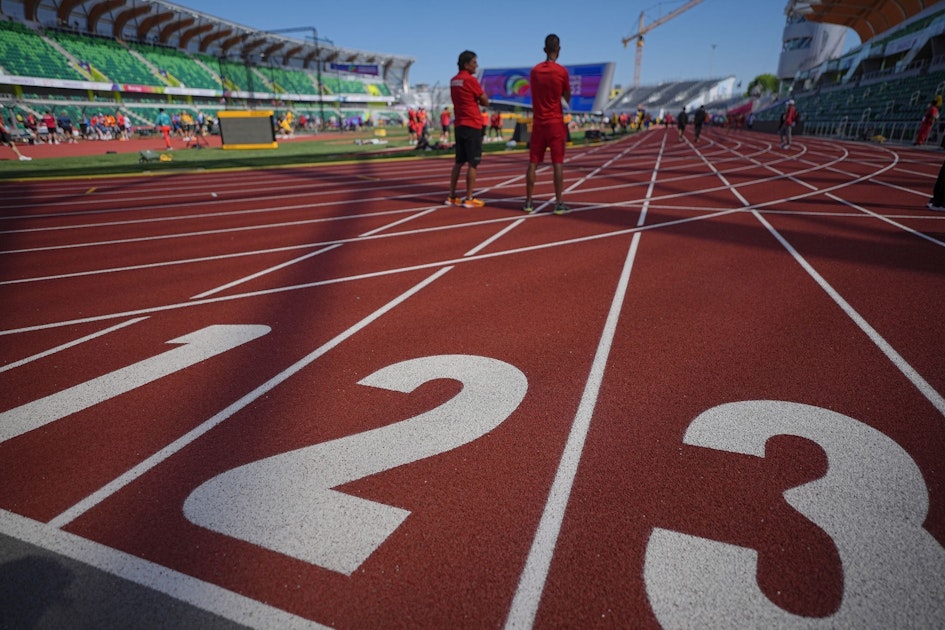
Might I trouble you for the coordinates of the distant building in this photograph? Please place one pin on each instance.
(806, 44)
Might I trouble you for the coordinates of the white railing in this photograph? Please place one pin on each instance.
(891, 131)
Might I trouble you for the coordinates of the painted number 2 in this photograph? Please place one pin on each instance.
(286, 503)
(872, 503)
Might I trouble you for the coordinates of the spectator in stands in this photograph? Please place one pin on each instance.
(32, 127)
(937, 202)
(52, 129)
(467, 96)
(551, 93)
(698, 120)
(788, 120)
(7, 139)
(928, 120)
(162, 123)
(681, 122)
(111, 125)
(65, 123)
(121, 123)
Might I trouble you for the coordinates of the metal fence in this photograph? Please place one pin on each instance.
(891, 131)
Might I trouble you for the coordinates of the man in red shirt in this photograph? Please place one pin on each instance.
(551, 87)
(445, 123)
(467, 96)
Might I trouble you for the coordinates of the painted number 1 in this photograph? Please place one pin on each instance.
(286, 503)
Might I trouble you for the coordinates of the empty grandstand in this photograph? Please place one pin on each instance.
(879, 89)
(85, 55)
(670, 97)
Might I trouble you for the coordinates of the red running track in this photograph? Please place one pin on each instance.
(710, 396)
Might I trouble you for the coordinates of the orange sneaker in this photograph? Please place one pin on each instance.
(454, 201)
(472, 202)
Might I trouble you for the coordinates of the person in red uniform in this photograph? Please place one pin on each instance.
(467, 95)
(788, 120)
(550, 87)
(928, 120)
(445, 123)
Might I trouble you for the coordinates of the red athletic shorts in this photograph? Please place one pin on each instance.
(545, 136)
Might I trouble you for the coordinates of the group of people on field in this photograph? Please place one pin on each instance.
(550, 86)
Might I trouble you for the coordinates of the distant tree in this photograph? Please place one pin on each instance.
(763, 83)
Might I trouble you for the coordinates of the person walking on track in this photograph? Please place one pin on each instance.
(698, 120)
(467, 95)
(681, 121)
(551, 91)
(788, 120)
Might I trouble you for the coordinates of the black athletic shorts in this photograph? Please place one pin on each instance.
(468, 146)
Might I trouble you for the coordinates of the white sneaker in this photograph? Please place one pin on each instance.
(25, 158)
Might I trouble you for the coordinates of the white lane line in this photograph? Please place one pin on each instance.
(907, 370)
(904, 228)
(375, 274)
(204, 595)
(399, 222)
(495, 237)
(71, 344)
(263, 272)
(177, 445)
(532, 581)
(246, 228)
(885, 347)
(189, 350)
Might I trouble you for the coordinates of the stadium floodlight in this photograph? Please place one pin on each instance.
(318, 61)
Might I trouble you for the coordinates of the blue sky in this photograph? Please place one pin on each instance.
(715, 38)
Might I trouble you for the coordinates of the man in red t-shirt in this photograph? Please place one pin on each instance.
(445, 123)
(467, 96)
(550, 87)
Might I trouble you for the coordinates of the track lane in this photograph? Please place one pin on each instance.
(718, 311)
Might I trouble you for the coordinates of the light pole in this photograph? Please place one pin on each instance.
(318, 62)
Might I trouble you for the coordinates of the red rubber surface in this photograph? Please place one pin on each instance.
(811, 275)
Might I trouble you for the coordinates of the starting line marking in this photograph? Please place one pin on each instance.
(203, 595)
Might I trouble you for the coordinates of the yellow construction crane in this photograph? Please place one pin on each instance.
(646, 28)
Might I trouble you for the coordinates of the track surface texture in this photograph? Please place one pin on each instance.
(710, 396)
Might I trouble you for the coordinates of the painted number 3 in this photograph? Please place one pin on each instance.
(286, 503)
(872, 503)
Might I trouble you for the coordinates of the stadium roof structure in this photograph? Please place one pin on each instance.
(868, 18)
(176, 26)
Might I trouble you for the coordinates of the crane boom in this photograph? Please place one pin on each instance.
(646, 28)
